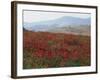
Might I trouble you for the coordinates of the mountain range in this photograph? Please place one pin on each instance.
(60, 24)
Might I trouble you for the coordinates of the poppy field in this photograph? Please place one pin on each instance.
(50, 50)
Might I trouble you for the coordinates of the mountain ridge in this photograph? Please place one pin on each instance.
(61, 24)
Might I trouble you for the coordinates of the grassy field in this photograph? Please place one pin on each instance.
(48, 50)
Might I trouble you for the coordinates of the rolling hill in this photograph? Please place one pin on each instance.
(65, 24)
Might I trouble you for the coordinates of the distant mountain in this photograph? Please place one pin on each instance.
(65, 24)
(60, 22)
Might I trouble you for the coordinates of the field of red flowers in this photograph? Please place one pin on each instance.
(47, 50)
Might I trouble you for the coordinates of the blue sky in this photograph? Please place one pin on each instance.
(37, 16)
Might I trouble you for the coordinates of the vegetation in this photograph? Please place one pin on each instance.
(47, 50)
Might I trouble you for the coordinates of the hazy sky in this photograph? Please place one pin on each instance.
(36, 16)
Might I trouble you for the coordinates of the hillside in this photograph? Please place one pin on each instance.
(78, 30)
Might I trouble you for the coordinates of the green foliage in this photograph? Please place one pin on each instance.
(73, 63)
